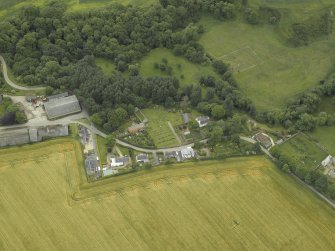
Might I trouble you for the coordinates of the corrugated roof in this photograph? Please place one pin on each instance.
(62, 106)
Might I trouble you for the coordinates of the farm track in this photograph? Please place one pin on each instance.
(12, 84)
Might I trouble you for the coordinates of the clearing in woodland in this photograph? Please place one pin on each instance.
(267, 70)
(235, 204)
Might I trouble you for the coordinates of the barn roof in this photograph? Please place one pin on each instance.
(62, 106)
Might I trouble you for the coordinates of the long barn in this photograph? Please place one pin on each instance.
(63, 106)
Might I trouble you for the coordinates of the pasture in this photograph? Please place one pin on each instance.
(159, 128)
(267, 70)
(238, 204)
(185, 71)
(325, 135)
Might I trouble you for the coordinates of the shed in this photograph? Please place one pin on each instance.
(186, 118)
(63, 106)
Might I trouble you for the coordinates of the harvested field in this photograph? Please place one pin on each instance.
(235, 204)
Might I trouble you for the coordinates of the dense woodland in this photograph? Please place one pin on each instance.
(45, 46)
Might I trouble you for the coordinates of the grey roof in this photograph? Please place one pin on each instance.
(123, 160)
(33, 135)
(142, 157)
(14, 137)
(61, 95)
(62, 106)
(186, 118)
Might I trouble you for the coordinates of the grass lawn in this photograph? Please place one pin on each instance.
(326, 136)
(303, 151)
(105, 65)
(238, 204)
(191, 72)
(102, 149)
(267, 70)
(158, 127)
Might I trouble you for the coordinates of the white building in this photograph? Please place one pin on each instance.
(330, 160)
(119, 161)
(188, 153)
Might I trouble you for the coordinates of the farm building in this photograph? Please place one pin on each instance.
(119, 161)
(31, 135)
(52, 131)
(186, 118)
(330, 160)
(202, 120)
(142, 158)
(14, 137)
(135, 128)
(63, 106)
(263, 139)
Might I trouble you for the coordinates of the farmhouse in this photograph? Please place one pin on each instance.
(119, 161)
(63, 106)
(135, 128)
(186, 118)
(263, 139)
(142, 158)
(202, 120)
(330, 160)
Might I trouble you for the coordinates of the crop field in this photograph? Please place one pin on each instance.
(238, 204)
(303, 151)
(266, 69)
(158, 126)
(185, 71)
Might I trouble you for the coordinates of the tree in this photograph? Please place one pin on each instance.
(321, 184)
(218, 112)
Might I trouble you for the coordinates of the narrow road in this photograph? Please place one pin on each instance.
(153, 151)
(12, 84)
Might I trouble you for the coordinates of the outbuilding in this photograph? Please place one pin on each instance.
(63, 106)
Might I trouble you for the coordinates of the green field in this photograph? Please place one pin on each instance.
(102, 149)
(158, 127)
(236, 204)
(326, 136)
(302, 151)
(267, 70)
(191, 72)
